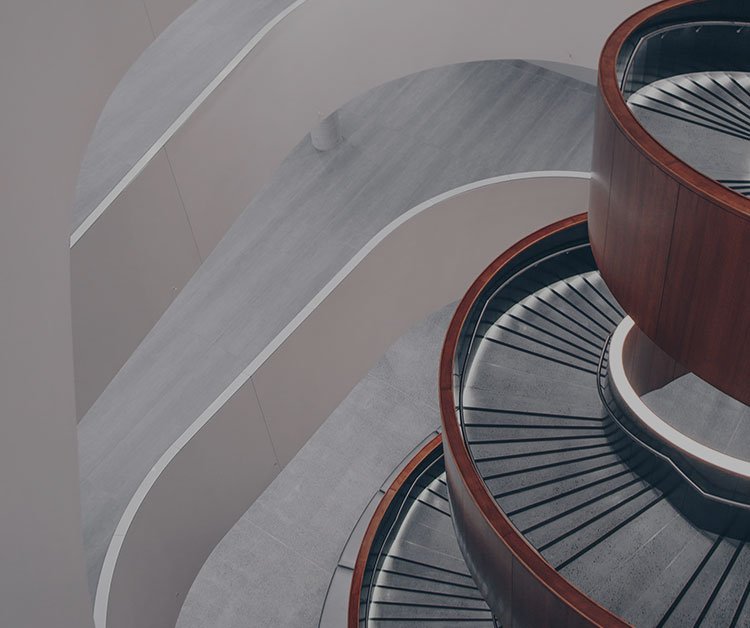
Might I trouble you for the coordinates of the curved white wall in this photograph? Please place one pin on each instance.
(320, 55)
(203, 484)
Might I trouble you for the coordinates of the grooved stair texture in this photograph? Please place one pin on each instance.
(703, 118)
(615, 521)
(421, 577)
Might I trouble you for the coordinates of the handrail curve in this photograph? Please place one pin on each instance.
(624, 118)
(378, 518)
(670, 242)
(523, 584)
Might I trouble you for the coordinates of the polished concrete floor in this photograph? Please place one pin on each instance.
(274, 566)
(405, 142)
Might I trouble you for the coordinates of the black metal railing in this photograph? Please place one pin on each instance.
(701, 475)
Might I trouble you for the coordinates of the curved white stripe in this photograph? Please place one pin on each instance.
(175, 126)
(115, 545)
(652, 423)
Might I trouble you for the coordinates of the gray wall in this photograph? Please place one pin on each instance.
(58, 63)
(161, 13)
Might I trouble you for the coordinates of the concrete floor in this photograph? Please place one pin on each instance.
(405, 142)
(274, 566)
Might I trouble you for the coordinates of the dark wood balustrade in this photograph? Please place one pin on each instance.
(672, 244)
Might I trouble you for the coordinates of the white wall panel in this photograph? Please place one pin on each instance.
(125, 273)
(210, 484)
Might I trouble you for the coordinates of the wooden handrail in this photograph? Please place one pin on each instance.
(360, 565)
(520, 586)
(623, 117)
(672, 244)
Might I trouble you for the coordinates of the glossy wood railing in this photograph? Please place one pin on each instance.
(672, 244)
(520, 586)
(367, 555)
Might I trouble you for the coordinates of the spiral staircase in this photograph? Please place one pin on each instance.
(549, 500)
(617, 522)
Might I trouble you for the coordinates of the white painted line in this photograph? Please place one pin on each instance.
(110, 560)
(175, 126)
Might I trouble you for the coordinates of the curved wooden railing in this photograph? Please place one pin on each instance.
(364, 560)
(672, 244)
(520, 586)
